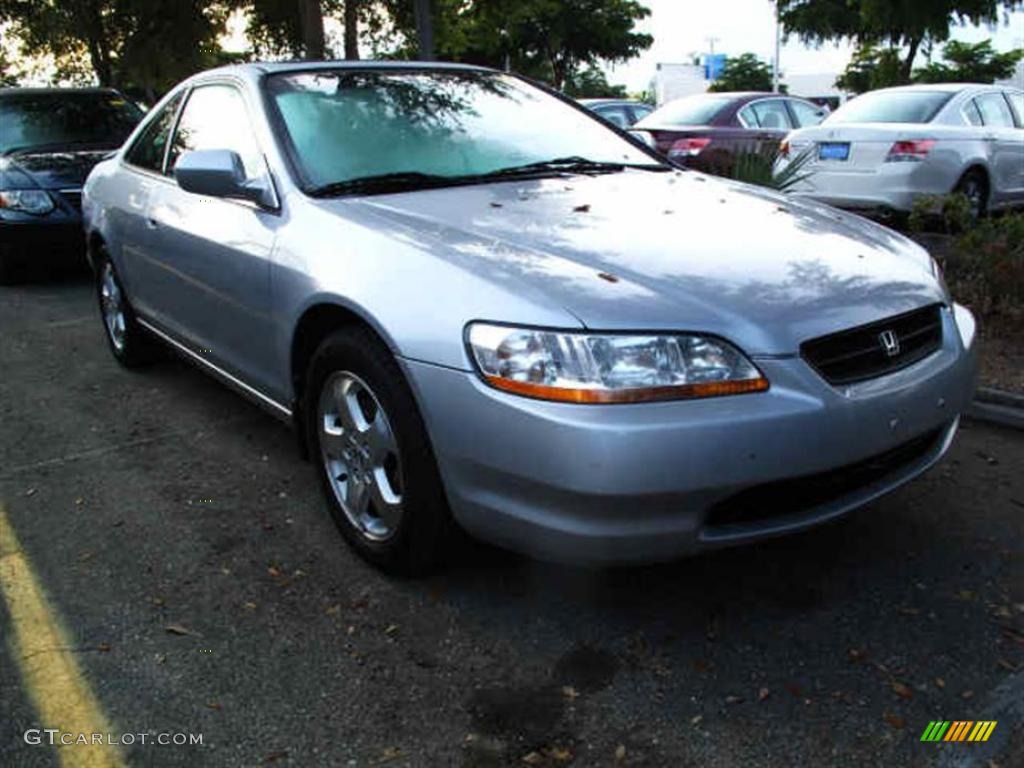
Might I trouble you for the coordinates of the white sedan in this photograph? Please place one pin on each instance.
(882, 150)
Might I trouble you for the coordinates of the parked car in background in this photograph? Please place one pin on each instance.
(883, 149)
(621, 112)
(705, 131)
(50, 138)
(456, 287)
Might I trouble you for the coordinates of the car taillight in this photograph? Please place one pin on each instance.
(910, 151)
(688, 147)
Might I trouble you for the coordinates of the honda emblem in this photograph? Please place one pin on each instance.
(890, 343)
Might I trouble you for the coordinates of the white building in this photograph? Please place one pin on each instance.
(1017, 81)
(675, 80)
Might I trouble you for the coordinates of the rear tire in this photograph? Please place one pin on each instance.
(974, 186)
(373, 455)
(131, 346)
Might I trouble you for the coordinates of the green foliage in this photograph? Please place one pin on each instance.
(744, 73)
(870, 68)
(591, 83)
(550, 40)
(142, 46)
(893, 23)
(986, 269)
(759, 166)
(950, 213)
(970, 63)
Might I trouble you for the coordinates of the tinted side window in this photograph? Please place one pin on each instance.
(747, 117)
(971, 113)
(148, 150)
(615, 114)
(640, 112)
(772, 115)
(1017, 102)
(805, 114)
(215, 117)
(994, 110)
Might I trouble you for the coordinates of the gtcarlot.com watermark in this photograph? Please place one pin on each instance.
(56, 737)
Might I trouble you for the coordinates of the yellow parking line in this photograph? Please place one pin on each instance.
(41, 649)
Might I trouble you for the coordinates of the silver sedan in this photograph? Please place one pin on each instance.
(882, 150)
(481, 306)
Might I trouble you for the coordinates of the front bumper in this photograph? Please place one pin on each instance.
(42, 239)
(645, 482)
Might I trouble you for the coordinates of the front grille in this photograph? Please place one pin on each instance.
(862, 353)
(73, 198)
(788, 498)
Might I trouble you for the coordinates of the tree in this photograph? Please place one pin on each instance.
(546, 39)
(870, 68)
(906, 24)
(744, 73)
(591, 83)
(142, 46)
(970, 63)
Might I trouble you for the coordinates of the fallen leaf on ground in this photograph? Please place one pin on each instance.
(177, 629)
(581, 208)
(902, 690)
(967, 695)
(30, 492)
(560, 754)
(733, 699)
(532, 758)
(763, 694)
(250, 606)
(391, 629)
(214, 705)
(696, 719)
(274, 571)
(103, 647)
(333, 610)
(894, 720)
(940, 683)
(273, 757)
(620, 752)
(569, 692)
(1009, 665)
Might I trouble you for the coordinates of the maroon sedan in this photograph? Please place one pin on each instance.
(705, 131)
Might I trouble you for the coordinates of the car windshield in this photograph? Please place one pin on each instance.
(346, 125)
(65, 118)
(692, 110)
(891, 107)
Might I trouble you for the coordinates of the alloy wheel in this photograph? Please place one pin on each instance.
(360, 455)
(112, 307)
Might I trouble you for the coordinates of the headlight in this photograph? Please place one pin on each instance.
(610, 368)
(33, 201)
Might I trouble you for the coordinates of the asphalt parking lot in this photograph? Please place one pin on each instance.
(184, 547)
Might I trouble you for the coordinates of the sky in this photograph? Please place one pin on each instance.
(683, 27)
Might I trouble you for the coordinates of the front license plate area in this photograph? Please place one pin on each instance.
(834, 150)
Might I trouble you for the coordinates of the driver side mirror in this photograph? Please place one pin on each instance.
(220, 173)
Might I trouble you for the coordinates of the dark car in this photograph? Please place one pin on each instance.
(50, 138)
(706, 130)
(621, 112)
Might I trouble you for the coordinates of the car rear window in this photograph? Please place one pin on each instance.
(692, 110)
(65, 118)
(892, 107)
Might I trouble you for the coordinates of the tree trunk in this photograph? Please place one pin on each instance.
(311, 22)
(424, 29)
(907, 66)
(352, 29)
(96, 40)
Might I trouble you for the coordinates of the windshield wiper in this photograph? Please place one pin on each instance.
(406, 181)
(402, 181)
(572, 164)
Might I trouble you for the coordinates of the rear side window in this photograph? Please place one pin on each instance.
(892, 107)
(641, 111)
(1017, 102)
(971, 113)
(615, 114)
(215, 117)
(772, 115)
(806, 115)
(148, 150)
(692, 110)
(994, 110)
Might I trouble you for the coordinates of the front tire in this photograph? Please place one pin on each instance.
(373, 455)
(128, 341)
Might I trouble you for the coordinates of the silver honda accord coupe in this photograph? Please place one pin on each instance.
(484, 309)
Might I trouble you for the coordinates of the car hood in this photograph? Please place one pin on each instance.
(669, 251)
(51, 169)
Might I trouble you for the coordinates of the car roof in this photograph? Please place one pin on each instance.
(940, 87)
(598, 102)
(56, 91)
(274, 67)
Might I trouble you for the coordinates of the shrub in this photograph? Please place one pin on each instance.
(949, 213)
(760, 166)
(987, 264)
